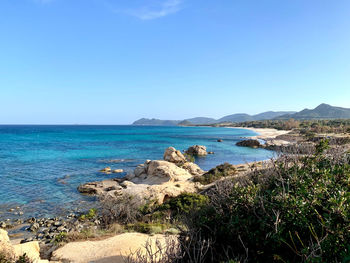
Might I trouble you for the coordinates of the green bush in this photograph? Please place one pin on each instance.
(298, 211)
(222, 170)
(91, 214)
(185, 203)
(147, 228)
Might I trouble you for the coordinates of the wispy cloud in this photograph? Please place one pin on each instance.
(155, 10)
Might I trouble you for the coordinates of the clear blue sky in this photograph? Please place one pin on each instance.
(114, 61)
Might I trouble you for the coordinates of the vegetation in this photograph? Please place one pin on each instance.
(216, 173)
(316, 126)
(147, 228)
(298, 211)
(7, 258)
(89, 215)
(184, 203)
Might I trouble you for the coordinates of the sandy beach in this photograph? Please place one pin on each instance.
(267, 134)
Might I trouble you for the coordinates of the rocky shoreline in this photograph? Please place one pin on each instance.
(154, 180)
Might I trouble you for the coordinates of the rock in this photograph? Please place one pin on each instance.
(106, 170)
(31, 249)
(4, 238)
(219, 140)
(34, 227)
(112, 249)
(161, 171)
(174, 156)
(116, 171)
(250, 143)
(61, 229)
(156, 180)
(192, 168)
(197, 150)
(57, 223)
(5, 246)
(3, 225)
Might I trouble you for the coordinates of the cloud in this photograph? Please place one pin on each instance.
(155, 10)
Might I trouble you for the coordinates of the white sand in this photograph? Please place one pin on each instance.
(267, 134)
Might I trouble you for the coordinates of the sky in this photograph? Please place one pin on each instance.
(115, 61)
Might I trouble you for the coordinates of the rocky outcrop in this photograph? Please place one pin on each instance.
(31, 249)
(109, 250)
(250, 143)
(197, 150)
(192, 168)
(156, 180)
(174, 156)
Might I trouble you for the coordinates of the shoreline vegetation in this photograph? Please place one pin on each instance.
(293, 208)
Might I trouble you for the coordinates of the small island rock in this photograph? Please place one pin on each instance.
(197, 150)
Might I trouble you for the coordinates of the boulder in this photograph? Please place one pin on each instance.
(192, 168)
(174, 156)
(250, 143)
(6, 249)
(31, 249)
(116, 171)
(159, 171)
(197, 150)
(106, 170)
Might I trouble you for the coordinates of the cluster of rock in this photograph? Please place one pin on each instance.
(30, 249)
(45, 230)
(108, 170)
(153, 180)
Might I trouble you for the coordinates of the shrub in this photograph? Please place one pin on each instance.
(297, 211)
(147, 228)
(91, 214)
(123, 210)
(222, 170)
(185, 203)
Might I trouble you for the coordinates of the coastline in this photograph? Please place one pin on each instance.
(266, 134)
(139, 187)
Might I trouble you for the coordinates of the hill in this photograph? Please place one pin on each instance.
(238, 117)
(323, 111)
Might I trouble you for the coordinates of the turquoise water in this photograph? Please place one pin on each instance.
(41, 166)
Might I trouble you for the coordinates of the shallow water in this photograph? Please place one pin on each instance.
(41, 166)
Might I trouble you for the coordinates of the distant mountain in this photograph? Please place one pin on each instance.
(268, 115)
(238, 117)
(323, 111)
(201, 120)
(156, 122)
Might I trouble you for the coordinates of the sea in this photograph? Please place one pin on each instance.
(42, 166)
